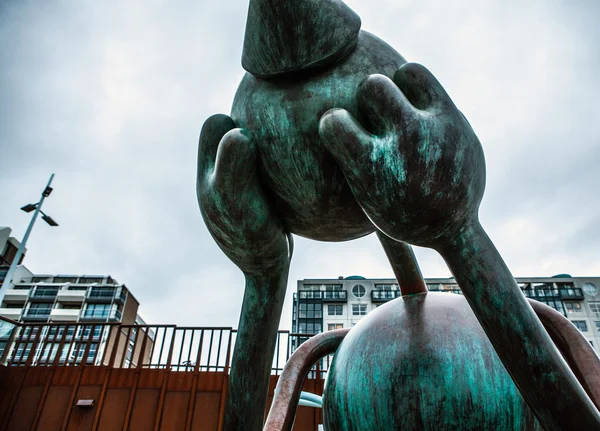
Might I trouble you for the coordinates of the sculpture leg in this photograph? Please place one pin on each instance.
(254, 350)
(404, 264)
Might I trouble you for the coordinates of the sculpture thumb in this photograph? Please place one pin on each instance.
(347, 141)
(236, 160)
(214, 128)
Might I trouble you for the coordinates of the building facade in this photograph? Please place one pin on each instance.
(8, 249)
(325, 304)
(78, 307)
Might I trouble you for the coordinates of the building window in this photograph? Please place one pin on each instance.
(97, 310)
(597, 325)
(310, 310)
(580, 324)
(359, 291)
(335, 310)
(590, 289)
(332, 326)
(309, 327)
(359, 309)
(573, 307)
(594, 307)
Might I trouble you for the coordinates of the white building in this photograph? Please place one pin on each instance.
(324, 304)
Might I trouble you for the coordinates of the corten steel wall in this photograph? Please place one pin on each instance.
(179, 384)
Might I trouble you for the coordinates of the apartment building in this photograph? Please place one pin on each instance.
(76, 307)
(8, 250)
(325, 304)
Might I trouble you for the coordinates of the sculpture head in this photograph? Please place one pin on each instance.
(283, 37)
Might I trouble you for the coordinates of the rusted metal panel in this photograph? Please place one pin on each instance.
(180, 381)
(210, 382)
(65, 376)
(144, 410)
(121, 378)
(206, 411)
(55, 408)
(82, 418)
(174, 411)
(93, 376)
(113, 409)
(150, 379)
(24, 410)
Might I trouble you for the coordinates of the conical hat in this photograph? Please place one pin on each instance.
(290, 35)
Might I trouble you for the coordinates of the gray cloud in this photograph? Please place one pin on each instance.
(111, 96)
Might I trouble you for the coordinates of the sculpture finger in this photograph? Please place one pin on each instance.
(347, 140)
(422, 89)
(384, 105)
(213, 130)
(235, 161)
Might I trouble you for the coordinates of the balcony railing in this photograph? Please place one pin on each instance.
(384, 295)
(111, 315)
(44, 294)
(101, 295)
(453, 290)
(574, 293)
(37, 314)
(325, 295)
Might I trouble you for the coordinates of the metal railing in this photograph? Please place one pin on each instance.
(323, 294)
(92, 314)
(384, 295)
(206, 349)
(37, 313)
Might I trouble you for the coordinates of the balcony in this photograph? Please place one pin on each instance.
(71, 295)
(43, 294)
(102, 315)
(571, 294)
(120, 296)
(105, 295)
(384, 295)
(11, 313)
(16, 295)
(37, 314)
(335, 296)
(325, 295)
(64, 315)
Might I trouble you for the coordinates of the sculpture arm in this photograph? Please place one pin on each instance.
(529, 355)
(242, 223)
(419, 175)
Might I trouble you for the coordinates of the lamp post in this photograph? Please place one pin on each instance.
(28, 208)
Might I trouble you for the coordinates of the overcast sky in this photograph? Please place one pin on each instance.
(110, 95)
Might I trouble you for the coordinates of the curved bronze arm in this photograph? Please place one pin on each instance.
(576, 350)
(287, 393)
(579, 354)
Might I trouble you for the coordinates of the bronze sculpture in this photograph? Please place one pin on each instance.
(398, 158)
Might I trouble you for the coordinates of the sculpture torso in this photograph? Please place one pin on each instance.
(307, 188)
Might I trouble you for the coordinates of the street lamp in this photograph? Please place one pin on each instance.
(37, 207)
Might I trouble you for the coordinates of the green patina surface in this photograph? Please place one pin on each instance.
(422, 362)
(308, 190)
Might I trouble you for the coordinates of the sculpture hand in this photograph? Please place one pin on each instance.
(232, 201)
(421, 174)
(238, 216)
(420, 177)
